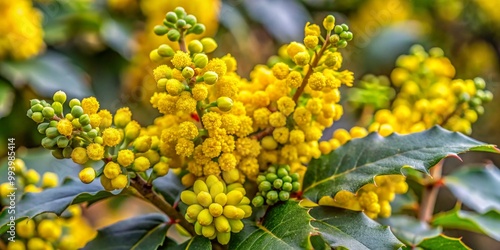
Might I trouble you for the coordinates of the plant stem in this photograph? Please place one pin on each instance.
(146, 190)
(182, 43)
(430, 193)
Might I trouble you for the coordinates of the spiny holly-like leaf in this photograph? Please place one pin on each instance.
(358, 161)
(54, 200)
(476, 187)
(169, 186)
(285, 226)
(442, 242)
(410, 230)
(142, 232)
(196, 243)
(352, 230)
(487, 223)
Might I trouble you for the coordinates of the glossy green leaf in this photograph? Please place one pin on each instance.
(487, 223)
(195, 243)
(442, 242)
(476, 187)
(141, 232)
(54, 200)
(285, 226)
(352, 230)
(357, 162)
(410, 230)
(47, 74)
(169, 186)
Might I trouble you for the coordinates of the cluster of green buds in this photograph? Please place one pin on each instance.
(275, 185)
(216, 209)
(342, 34)
(372, 90)
(480, 97)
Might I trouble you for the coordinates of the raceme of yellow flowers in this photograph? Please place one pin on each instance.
(71, 231)
(21, 34)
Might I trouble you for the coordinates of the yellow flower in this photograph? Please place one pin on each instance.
(65, 127)
(111, 137)
(211, 168)
(311, 41)
(49, 230)
(181, 60)
(122, 117)
(216, 65)
(184, 147)
(90, 105)
(141, 164)
(119, 182)
(125, 157)
(112, 170)
(25, 228)
(297, 136)
(312, 30)
(281, 134)
(87, 175)
(277, 119)
(212, 120)
(227, 161)
(294, 48)
(106, 118)
(211, 147)
(317, 81)
(230, 62)
(95, 151)
(249, 166)
(186, 103)
(162, 71)
(199, 91)
(286, 105)
(79, 155)
(261, 117)
(95, 120)
(280, 70)
(174, 87)
(302, 116)
(294, 79)
(247, 147)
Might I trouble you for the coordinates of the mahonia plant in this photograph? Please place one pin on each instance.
(249, 152)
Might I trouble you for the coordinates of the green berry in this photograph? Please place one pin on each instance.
(51, 132)
(265, 186)
(338, 29)
(475, 101)
(271, 177)
(74, 102)
(160, 30)
(48, 143)
(295, 176)
(77, 111)
(344, 27)
(258, 201)
(57, 153)
(59, 96)
(53, 123)
(87, 128)
(29, 113)
(67, 152)
(488, 96)
(92, 133)
(277, 183)
(284, 195)
(48, 112)
(272, 195)
(98, 140)
(479, 83)
(342, 43)
(287, 186)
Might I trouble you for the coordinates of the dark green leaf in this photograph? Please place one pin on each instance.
(169, 186)
(351, 229)
(142, 232)
(54, 200)
(196, 243)
(410, 230)
(117, 34)
(285, 226)
(487, 223)
(443, 242)
(357, 162)
(47, 74)
(476, 187)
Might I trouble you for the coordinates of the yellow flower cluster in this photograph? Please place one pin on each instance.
(21, 34)
(70, 232)
(232, 127)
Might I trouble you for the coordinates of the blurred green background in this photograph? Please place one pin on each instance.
(101, 48)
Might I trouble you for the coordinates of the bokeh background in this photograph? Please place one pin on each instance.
(101, 48)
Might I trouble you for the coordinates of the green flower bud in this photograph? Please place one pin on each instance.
(62, 142)
(282, 172)
(189, 197)
(51, 132)
(479, 83)
(59, 96)
(189, 219)
(162, 83)
(173, 35)
(53, 123)
(271, 169)
(48, 112)
(76, 123)
(84, 119)
(258, 201)
(208, 231)
(343, 35)
(67, 152)
(464, 97)
(488, 96)
(287, 179)
(261, 178)
(334, 39)
(221, 199)
(287, 186)
(204, 198)
(349, 36)
(200, 60)
(342, 43)
(58, 108)
(190, 19)
(222, 224)
(154, 56)
(277, 183)
(77, 111)
(338, 29)
(180, 12)
(224, 103)
(195, 46)
(205, 218)
(197, 29)
(197, 228)
(475, 101)
(344, 27)
(199, 186)
(271, 177)
(215, 209)
(272, 195)
(181, 23)
(193, 211)
(29, 113)
(209, 44)
(210, 77)
(74, 102)
(48, 143)
(87, 128)
(57, 153)
(171, 17)
(329, 22)
(98, 140)
(295, 186)
(187, 72)
(479, 110)
(265, 186)
(92, 133)
(37, 107)
(165, 51)
(69, 116)
(223, 238)
(236, 225)
(234, 197)
(34, 102)
(284, 195)
(42, 127)
(160, 30)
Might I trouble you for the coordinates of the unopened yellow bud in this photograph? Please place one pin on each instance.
(49, 229)
(215, 209)
(216, 189)
(195, 46)
(222, 224)
(32, 176)
(234, 197)
(224, 103)
(121, 181)
(142, 143)
(223, 238)
(25, 228)
(221, 199)
(193, 211)
(189, 197)
(112, 170)
(209, 44)
(141, 164)
(236, 225)
(87, 175)
(49, 180)
(199, 186)
(204, 198)
(247, 209)
(161, 169)
(208, 231)
(329, 22)
(205, 218)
